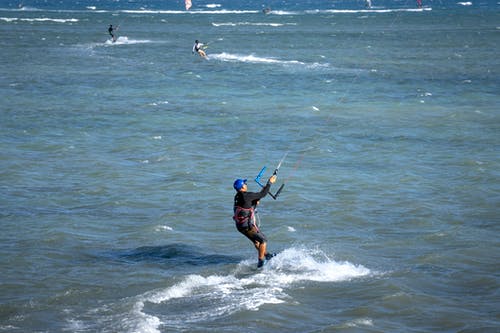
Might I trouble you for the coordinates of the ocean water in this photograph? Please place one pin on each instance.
(117, 163)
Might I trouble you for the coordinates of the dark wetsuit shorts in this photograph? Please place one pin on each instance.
(253, 233)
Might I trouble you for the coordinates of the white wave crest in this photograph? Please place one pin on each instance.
(354, 11)
(283, 12)
(123, 40)
(29, 9)
(38, 19)
(222, 11)
(243, 289)
(360, 322)
(252, 59)
(231, 24)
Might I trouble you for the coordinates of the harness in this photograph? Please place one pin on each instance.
(244, 217)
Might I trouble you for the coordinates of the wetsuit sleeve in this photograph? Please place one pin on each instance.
(248, 199)
(251, 196)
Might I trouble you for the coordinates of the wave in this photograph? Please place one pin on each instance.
(28, 9)
(349, 11)
(213, 5)
(284, 12)
(231, 24)
(123, 40)
(383, 10)
(221, 11)
(240, 290)
(252, 59)
(211, 11)
(38, 19)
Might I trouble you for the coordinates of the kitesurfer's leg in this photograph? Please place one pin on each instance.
(251, 234)
(261, 245)
(262, 251)
(259, 240)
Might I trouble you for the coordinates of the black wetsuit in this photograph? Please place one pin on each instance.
(249, 199)
(244, 209)
(110, 30)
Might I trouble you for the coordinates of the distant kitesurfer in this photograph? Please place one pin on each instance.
(110, 30)
(198, 48)
(245, 216)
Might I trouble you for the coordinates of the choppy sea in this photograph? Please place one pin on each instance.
(117, 162)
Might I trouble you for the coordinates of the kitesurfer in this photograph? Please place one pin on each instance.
(244, 216)
(110, 30)
(198, 48)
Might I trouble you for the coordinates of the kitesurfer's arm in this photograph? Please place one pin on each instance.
(272, 179)
(252, 196)
(265, 189)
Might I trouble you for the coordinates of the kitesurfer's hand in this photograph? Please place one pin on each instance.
(272, 180)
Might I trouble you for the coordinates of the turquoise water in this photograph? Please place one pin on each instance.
(117, 164)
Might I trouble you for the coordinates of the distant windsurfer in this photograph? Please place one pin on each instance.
(198, 48)
(368, 4)
(419, 3)
(245, 216)
(110, 31)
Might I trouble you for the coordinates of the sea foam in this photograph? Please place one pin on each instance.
(245, 287)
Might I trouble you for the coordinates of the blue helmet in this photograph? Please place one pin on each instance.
(238, 184)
